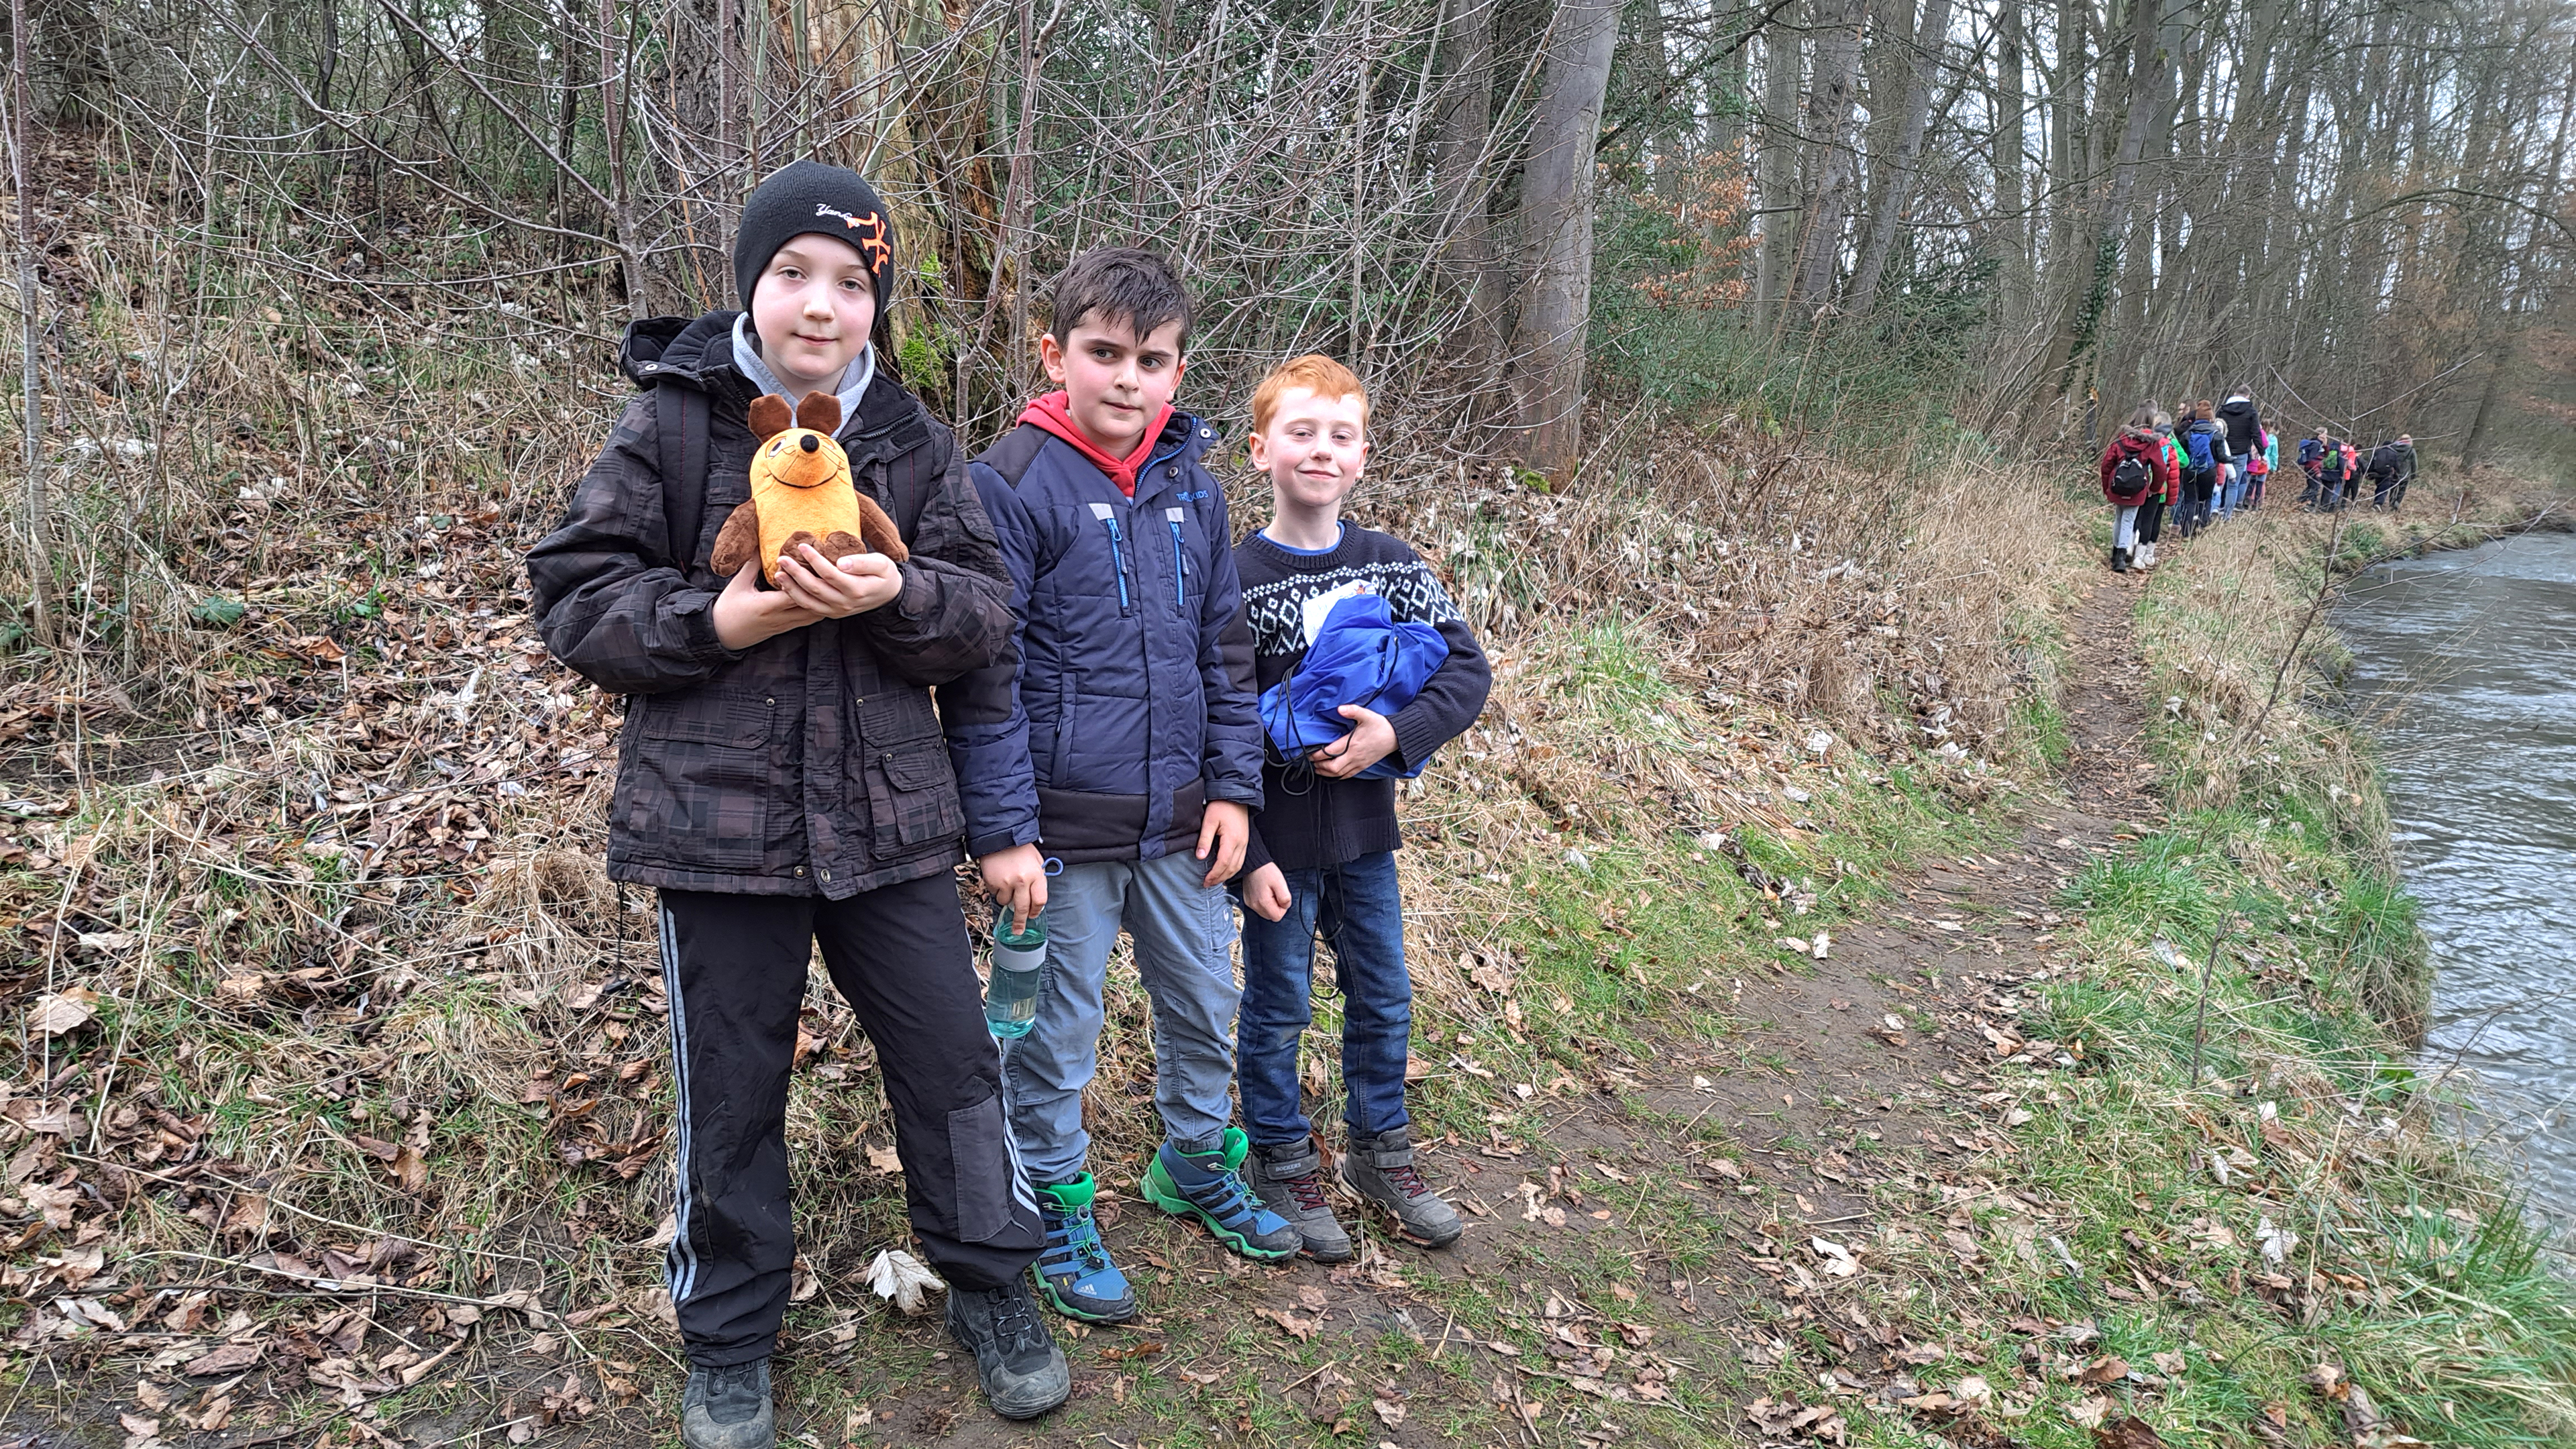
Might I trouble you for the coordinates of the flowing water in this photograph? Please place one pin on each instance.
(2465, 671)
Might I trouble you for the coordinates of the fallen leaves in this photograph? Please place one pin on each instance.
(2104, 1370)
(901, 1279)
(1300, 1329)
(231, 1358)
(2127, 1432)
(63, 1012)
(1789, 1419)
(1838, 1260)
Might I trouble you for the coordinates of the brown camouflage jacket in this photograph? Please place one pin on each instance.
(812, 763)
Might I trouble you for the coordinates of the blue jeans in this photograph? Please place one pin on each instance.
(2232, 492)
(1357, 908)
(1183, 931)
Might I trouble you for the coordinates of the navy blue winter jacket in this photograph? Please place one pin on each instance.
(1134, 702)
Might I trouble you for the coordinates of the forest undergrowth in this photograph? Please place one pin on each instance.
(341, 1096)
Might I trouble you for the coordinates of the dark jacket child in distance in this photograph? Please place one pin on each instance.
(1323, 851)
(782, 782)
(2244, 425)
(2392, 467)
(2134, 468)
(1125, 759)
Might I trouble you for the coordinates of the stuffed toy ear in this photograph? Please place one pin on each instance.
(769, 416)
(819, 411)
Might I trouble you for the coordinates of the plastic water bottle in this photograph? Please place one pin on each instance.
(1011, 996)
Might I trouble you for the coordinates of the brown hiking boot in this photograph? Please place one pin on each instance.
(1380, 1169)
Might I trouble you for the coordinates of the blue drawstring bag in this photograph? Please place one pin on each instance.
(1360, 656)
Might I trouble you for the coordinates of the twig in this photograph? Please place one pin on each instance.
(230, 1185)
(335, 1285)
(2200, 1017)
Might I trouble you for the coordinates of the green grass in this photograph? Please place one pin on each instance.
(2413, 1268)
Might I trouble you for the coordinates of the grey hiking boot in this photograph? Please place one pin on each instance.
(1380, 1169)
(1024, 1373)
(728, 1408)
(1289, 1180)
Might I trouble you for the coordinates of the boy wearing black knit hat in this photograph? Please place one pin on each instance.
(782, 782)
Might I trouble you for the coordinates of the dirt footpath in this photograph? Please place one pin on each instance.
(1655, 1241)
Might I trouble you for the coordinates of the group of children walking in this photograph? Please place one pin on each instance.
(1063, 673)
(2216, 462)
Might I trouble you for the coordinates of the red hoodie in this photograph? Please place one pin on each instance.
(1054, 412)
(2149, 447)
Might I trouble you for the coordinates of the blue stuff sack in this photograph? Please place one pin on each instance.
(1359, 656)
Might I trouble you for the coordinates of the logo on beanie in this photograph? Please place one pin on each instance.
(872, 239)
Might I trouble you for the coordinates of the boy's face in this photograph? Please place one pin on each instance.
(813, 307)
(1115, 382)
(1314, 448)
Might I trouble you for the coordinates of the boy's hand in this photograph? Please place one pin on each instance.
(858, 583)
(1371, 739)
(1223, 837)
(1265, 892)
(746, 614)
(1018, 880)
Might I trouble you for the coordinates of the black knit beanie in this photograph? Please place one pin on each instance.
(808, 196)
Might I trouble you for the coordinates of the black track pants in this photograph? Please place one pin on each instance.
(734, 966)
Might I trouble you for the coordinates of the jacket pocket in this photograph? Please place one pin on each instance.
(1062, 757)
(981, 1158)
(704, 780)
(914, 795)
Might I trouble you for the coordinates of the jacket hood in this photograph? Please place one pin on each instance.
(1053, 414)
(695, 349)
(2237, 407)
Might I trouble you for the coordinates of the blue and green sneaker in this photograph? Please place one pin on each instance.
(1207, 1184)
(1074, 1273)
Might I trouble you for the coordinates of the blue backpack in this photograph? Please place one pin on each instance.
(2197, 443)
(1360, 656)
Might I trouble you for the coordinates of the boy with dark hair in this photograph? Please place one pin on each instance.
(1323, 853)
(1116, 786)
(781, 783)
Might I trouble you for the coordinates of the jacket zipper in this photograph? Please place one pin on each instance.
(1117, 554)
(1180, 561)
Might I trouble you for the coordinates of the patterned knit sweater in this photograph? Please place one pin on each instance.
(1308, 820)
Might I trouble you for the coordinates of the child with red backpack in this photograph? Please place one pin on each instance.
(2134, 468)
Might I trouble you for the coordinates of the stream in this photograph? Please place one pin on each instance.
(2465, 676)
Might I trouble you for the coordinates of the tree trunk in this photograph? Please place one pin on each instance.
(1829, 143)
(1461, 135)
(1775, 164)
(1556, 227)
(1898, 192)
(2012, 227)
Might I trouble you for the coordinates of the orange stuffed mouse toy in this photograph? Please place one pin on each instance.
(801, 493)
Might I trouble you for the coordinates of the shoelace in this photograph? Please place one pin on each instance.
(1407, 1180)
(733, 1379)
(1013, 1320)
(1307, 1188)
(1082, 1239)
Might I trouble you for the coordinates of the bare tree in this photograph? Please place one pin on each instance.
(1549, 333)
